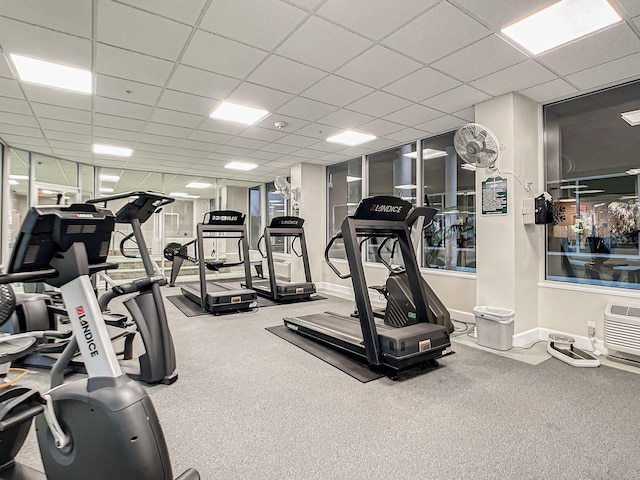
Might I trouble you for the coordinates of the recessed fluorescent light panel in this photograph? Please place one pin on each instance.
(353, 179)
(50, 74)
(351, 138)
(561, 23)
(238, 113)
(110, 150)
(408, 186)
(198, 185)
(240, 166)
(183, 195)
(632, 118)
(427, 153)
(110, 178)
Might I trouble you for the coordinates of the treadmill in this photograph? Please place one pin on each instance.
(276, 290)
(415, 341)
(218, 297)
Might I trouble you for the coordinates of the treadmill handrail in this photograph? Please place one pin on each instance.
(262, 254)
(328, 260)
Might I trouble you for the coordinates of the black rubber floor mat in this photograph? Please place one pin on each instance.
(349, 365)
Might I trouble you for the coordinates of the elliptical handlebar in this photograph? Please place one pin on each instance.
(160, 197)
(123, 252)
(33, 276)
(328, 260)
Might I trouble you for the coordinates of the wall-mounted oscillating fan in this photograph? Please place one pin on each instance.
(283, 187)
(477, 145)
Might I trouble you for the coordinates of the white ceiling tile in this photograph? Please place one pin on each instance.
(58, 113)
(306, 4)
(237, 151)
(346, 119)
(153, 147)
(69, 148)
(612, 43)
(631, 6)
(100, 133)
(10, 88)
(5, 71)
(378, 66)
(309, 153)
(220, 55)
(413, 115)
(637, 21)
(257, 96)
(198, 82)
(10, 129)
(187, 103)
(381, 127)
(186, 11)
(54, 96)
(504, 13)
(380, 144)
(20, 141)
(221, 126)
(126, 90)
(69, 16)
(17, 119)
(121, 109)
(422, 84)
(514, 78)
(171, 117)
(133, 29)
(328, 147)
(265, 134)
(316, 130)
(323, 44)
(247, 143)
(299, 141)
(373, 18)
(200, 146)
(193, 153)
(443, 124)
(337, 91)
(406, 135)
(280, 148)
(607, 73)
(159, 140)
(284, 74)
(167, 130)
(467, 114)
(482, 58)
(117, 62)
(41, 43)
(68, 137)
(456, 99)
(355, 151)
(293, 124)
(122, 123)
(436, 33)
(244, 20)
(14, 105)
(305, 108)
(378, 104)
(333, 158)
(211, 137)
(62, 126)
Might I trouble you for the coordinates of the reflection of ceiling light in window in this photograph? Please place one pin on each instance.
(468, 166)
(573, 187)
(353, 179)
(19, 177)
(582, 192)
(238, 113)
(565, 200)
(111, 150)
(633, 171)
(51, 74)
(561, 23)
(629, 197)
(110, 178)
(632, 118)
(352, 204)
(47, 192)
(351, 138)
(106, 190)
(198, 185)
(240, 166)
(183, 195)
(408, 186)
(14, 182)
(427, 153)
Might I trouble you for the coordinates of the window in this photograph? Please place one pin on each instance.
(392, 172)
(254, 216)
(344, 192)
(449, 186)
(276, 207)
(19, 192)
(592, 169)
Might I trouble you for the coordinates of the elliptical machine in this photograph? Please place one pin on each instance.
(103, 427)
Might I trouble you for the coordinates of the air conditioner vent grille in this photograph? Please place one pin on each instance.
(622, 329)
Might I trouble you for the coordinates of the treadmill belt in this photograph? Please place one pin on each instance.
(349, 365)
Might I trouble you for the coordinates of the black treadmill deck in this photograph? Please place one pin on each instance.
(221, 297)
(284, 291)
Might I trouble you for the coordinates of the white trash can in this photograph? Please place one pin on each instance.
(494, 327)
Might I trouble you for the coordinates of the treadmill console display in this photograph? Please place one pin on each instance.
(224, 217)
(47, 230)
(383, 208)
(287, 222)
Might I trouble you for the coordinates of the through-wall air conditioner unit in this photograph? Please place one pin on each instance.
(622, 332)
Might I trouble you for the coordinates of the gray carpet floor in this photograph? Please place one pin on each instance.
(251, 405)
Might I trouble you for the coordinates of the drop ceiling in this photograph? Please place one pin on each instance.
(400, 70)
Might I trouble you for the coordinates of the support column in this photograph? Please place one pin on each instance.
(509, 252)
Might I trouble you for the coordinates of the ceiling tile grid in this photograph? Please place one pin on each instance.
(161, 67)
